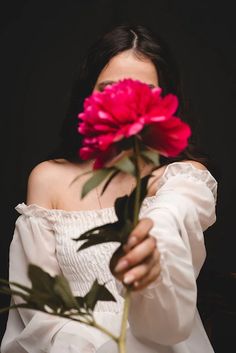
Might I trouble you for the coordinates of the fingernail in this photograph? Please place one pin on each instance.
(128, 279)
(132, 241)
(121, 265)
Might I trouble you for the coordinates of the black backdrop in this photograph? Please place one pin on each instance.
(42, 43)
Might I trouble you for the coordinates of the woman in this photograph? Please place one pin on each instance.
(165, 252)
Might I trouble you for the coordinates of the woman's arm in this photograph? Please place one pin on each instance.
(164, 311)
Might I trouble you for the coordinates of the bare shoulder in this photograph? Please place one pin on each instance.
(44, 181)
(40, 188)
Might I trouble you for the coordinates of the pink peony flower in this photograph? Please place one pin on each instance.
(126, 108)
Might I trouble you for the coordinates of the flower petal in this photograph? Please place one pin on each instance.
(169, 137)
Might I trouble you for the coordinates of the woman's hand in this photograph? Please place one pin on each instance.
(138, 263)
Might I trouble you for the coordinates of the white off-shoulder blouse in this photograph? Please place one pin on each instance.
(163, 317)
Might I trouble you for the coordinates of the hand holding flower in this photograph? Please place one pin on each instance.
(138, 264)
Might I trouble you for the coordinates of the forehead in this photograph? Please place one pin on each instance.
(128, 65)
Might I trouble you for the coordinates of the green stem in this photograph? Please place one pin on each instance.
(138, 182)
(122, 337)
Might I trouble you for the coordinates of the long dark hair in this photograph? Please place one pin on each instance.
(120, 38)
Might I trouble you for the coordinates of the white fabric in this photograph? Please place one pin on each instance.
(163, 317)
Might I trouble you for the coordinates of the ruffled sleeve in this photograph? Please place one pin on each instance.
(182, 209)
(30, 330)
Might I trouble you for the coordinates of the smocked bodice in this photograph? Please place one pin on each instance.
(81, 268)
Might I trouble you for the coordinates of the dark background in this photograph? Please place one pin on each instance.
(42, 43)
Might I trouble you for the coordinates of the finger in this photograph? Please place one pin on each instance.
(141, 251)
(150, 278)
(139, 272)
(138, 233)
(137, 254)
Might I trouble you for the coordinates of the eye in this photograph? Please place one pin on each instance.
(102, 85)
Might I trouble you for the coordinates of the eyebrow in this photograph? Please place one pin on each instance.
(105, 83)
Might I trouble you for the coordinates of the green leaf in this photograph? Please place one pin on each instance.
(80, 302)
(97, 292)
(126, 165)
(2, 310)
(38, 301)
(79, 176)
(115, 232)
(63, 290)
(124, 205)
(9, 291)
(41, 280)
(95, 180)
(104, 236)
(91, 297)
(43, 292)
(121, 208)
(32, 301)
(151, 156)
(26, 289)
(125, 231)
(95, 230)
(46, 291)
(109, 180)
(104, 294)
